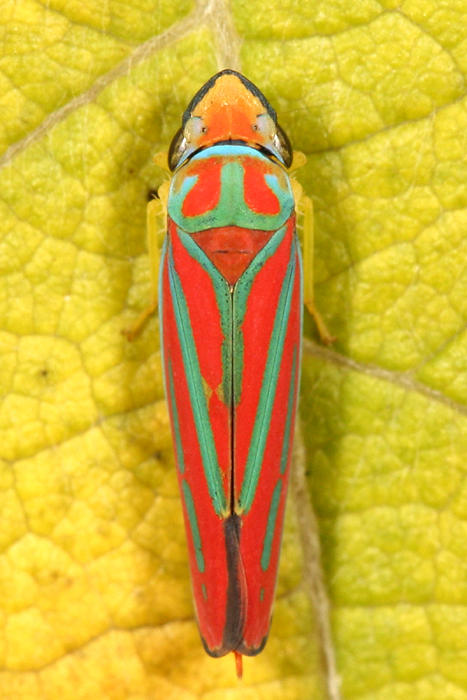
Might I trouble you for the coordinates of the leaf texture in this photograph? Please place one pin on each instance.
(94, 592)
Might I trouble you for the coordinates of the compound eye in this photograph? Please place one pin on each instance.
(194, 129)
(177, 149)
(265, 126)
(186, 141)
(283, 146)
(273, 138)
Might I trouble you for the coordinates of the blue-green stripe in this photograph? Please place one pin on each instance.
(268, 388)
(224, 304)
(161, 307)
(196, 391)
(175, 421)
(271, 526)
(190, 507)
(240, 300)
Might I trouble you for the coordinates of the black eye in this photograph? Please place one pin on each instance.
(285, 147)
(176, 149)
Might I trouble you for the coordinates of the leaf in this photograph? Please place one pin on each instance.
(94, 584)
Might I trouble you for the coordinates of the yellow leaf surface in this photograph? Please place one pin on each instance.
(94, 592)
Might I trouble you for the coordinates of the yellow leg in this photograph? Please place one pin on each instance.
(156, 223)
(298, 161)
(304, 207)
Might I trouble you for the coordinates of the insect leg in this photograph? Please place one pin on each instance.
(156, 224)
(304, 207)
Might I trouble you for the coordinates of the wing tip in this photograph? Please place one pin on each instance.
(234, 630)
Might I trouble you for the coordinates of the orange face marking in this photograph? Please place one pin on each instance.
(228, 111)
(229, 108)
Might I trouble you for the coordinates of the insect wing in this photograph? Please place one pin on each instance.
(194, 353)
(264, 417)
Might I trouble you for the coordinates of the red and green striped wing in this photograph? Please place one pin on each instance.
(231, 327)
(263, 424)
(193, 359)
